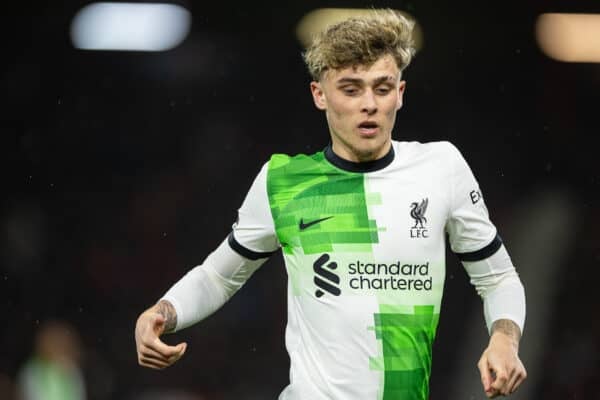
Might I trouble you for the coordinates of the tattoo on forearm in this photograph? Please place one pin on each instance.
(167, 310)
(507, 327)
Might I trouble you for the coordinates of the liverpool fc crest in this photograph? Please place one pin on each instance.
(417, 212)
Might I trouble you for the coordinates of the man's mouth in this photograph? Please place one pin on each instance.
(368, 128)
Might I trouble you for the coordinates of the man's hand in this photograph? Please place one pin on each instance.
(501, 369)
(151, 351)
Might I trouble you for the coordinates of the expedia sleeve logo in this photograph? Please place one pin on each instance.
(475, 196)
(324, 278)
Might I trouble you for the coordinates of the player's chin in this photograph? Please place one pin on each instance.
(371, 144)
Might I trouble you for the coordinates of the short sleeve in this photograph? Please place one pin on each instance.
(253, 234)
(472, 235)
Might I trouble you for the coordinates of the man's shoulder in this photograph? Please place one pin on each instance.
(440, 151)
(416, 147)
(288, 175)
(297, 162)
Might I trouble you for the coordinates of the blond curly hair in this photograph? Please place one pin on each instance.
(361, 41)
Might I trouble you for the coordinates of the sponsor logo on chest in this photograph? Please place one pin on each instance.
(396, 276)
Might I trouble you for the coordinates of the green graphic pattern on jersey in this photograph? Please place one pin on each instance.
(298, 186)
(308, 188)
(406, 351)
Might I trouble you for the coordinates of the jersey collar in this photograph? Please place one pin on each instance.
(351, 166)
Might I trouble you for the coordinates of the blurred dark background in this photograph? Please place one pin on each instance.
(122, 170)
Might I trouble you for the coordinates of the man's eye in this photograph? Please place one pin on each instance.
(383, 90)
(349, 90)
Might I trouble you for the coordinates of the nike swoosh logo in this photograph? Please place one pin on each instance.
(304, 226)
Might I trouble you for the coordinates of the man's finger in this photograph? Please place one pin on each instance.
(148, 352)
(520, 378)
(156, 345)
(181, 352)
(154, 362)
(511, 382)
(154, 359)
(500, 381)
(183, 349)
(166, 350)
(492, 393)
(486, 378)
(152, 354)
(151, 363)
(505, 389)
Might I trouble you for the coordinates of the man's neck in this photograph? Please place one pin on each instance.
(353, 155)
(359, 166)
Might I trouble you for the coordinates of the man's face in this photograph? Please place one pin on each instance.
(360, 105)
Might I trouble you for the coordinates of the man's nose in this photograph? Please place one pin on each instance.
(369, 105)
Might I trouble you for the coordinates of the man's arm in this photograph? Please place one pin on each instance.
(205, 288)
(503, 297)
(194, 297)
(475, 241)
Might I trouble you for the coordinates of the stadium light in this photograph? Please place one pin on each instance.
(130, 26)
(315, 21)
(569, 37)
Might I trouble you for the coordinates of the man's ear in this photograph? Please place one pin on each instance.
(318, 95)
(401, 88)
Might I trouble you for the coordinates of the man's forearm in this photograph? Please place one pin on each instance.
(205, 288)
(168, 312)
(508, 328)
(502, 292)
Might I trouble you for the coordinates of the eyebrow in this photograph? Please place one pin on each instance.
(377, 81)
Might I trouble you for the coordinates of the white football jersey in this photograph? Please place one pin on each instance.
(364, 248)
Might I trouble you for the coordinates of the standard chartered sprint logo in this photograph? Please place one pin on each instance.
(325, 279)
(371, 276)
